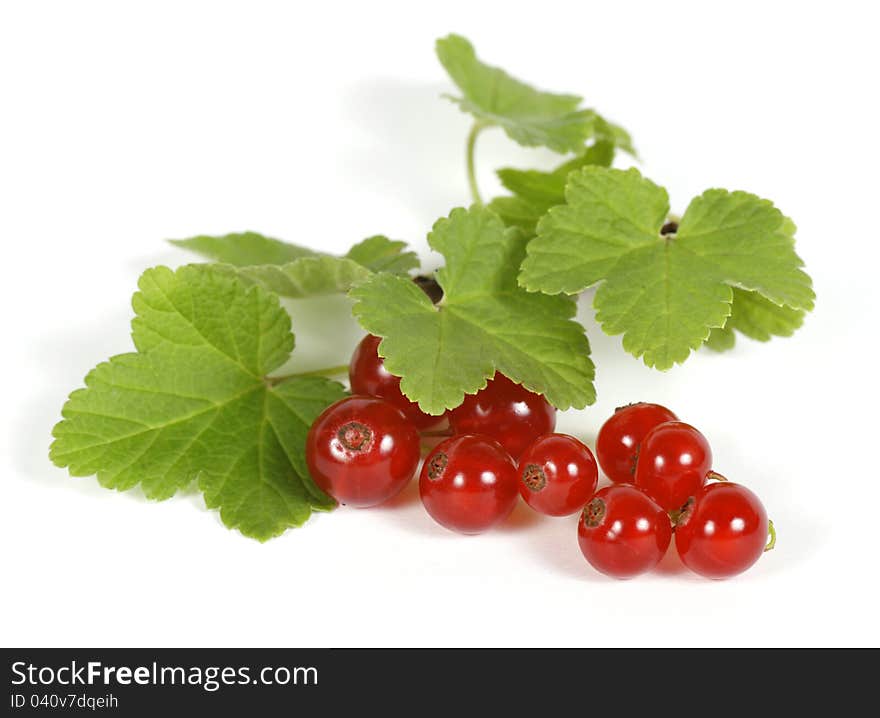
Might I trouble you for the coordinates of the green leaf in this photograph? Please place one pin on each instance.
(535, 192)
(193, 404)
(757, 318)
(517, 212)
(549, 187)
(751, 244)
(609, 213)
(663, 293)
(308, 277)
(721, 339)
(484, 323)
(295, 272)
(616, 135)
(540, 188)
(380, 254)
(244, 249)
(600, 153)
(528, 116)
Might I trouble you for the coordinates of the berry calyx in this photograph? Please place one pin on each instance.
(367, 375)
(354, 436)
(505, 411)
(468, 484)
(622, 532)
(533, 477)
(362, 450)
(558, 474)
(673, 463)
(594, 512)
(617, 446)
(723, 530)
(435, 464)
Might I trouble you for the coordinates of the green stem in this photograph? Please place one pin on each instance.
(771, 543)
(329, 371)
(471, 170)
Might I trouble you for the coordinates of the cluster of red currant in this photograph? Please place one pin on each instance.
(661, 467)
(364, 449)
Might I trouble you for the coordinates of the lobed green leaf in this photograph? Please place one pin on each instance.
(296, 272)
(666, 293)
(194, 404)
(756, 317)
(535, 192)
(485, 322)
(243, 249)
(530, 117)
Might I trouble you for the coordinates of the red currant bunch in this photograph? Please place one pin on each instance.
(471, 482)
(363, 450)
(721, 529)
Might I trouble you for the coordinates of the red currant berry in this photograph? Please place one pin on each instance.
(673, 463)
(557, 474)
(507, 412)
(623, 532)
(617, 446)
(367, 375)
(722, 530)
(362, 450)
(468, 483)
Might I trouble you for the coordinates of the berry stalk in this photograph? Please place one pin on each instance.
(476, 128)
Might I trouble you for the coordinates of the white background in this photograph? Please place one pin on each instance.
(123, 124)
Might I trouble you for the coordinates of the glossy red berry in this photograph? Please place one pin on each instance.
(468, 483)
(623, 532)
(617, 446)
(557, 474)
(507, 412)
(674, 460)
(722, 530)
(362, 450)
(367, 375)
